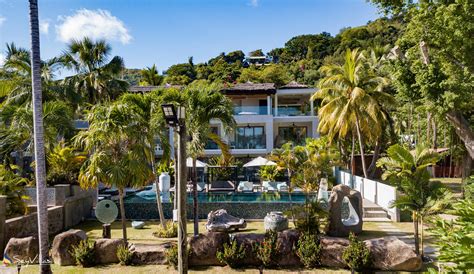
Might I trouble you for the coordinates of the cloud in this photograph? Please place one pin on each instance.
(95, 24)
(2, 19)
(253, 3)
(2, 59)
(44, 26)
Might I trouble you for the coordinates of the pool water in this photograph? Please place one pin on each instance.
(233, 197)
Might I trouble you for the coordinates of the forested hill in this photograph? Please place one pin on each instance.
(299, 59)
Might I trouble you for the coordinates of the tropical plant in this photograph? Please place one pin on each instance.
(351, 101)
(12, 185)
(269, 173)
(96, 78)
(64, 164)
(124, 255)
(150, 76)
(119, 152)
(407, 171)
(39, 138)
(232, 254)
(171, 255)
(268, 250)
(84, 253)
(311, 217)
(309, 250)
(357, 255)
(170, 230)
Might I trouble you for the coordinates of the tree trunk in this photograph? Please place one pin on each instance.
(463, 130)
(195, 199)
(416, 234)
(428, 128)
(289, 196)
(421, 237)
(122, 215)
(373, 164)
(361, 144)
(435, 133)
(38, 135)
(158, 197)
(352, 155)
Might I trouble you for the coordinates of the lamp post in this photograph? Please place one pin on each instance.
(176, 118)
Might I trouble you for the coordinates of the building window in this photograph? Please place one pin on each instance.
(249, 137)
(294, 134)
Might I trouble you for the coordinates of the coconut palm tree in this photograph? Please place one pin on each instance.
(119, 155)
(351, 98)
(97, 78)
(38, 133)
(150, 76)
(203, 104)
(407, 170)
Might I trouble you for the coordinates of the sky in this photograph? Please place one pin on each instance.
(166, 32)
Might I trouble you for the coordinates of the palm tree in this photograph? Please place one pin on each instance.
(203, 104)
(119, 155)
(150, 76)
(40, 167)
(97, 77)
(351, 98)
(407, 170)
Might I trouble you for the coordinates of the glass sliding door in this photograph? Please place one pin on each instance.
(249, 137)
(294, 134)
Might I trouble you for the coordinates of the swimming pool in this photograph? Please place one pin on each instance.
(231, 197)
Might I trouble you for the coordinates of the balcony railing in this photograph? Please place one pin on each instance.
(250, 110)
(292, 111)
(249, 143)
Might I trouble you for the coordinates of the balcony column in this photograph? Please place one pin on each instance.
(276, 104)
(311, 105)
(269, 105)
(269, 134)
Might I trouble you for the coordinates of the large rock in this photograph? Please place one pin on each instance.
(222, 221)
(145, 254)
(339, 226)
(287, 240)
(391, 254)
(22, 250)
(106, 250)
(249, 240)
(62, 244)
(203, 248)
(332, 249)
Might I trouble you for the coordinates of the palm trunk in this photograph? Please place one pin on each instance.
(158, 197)
(421, 237)
(435, 133)
(352, 156)
(289, 196)
(122, 215)
(428, 128)
(417, 242)
(40, 167)
(361, 144)
(195, 199)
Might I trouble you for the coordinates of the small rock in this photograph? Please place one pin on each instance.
(62, 244)
(106, 250)
(23, 250)
(138, 224)
(391, 254)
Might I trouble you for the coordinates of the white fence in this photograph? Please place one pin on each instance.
(376, 192)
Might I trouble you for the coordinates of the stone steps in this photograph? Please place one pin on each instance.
(374, 213)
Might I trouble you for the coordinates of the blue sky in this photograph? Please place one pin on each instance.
(165, 32)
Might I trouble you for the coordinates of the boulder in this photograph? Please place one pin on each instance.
(138, 224)
(145, 254)
(340, 226)
(287, 240)
(220, 220)
(275, 221)
(62, 243)
(203, 248)
(22, 250)
(332, 249)
(391, 254)
(106, 250)
(249, 240)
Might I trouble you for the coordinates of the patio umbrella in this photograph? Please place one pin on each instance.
(189, 163)
(260, 161)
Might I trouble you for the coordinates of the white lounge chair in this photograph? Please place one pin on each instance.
(282, 187)
(245, 186)
(269, 186)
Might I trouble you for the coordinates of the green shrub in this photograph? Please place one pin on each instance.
(12, 185)
(172, 256)
(170, 230)
(124, 255)
(267, 250)
(356, 255)
(310, 218)
(309, 250)
(84, 253)
(232, 254)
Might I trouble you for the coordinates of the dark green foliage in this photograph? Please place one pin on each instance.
(315, 46)
(232, 254)
(132, 76)
(11, 185)
(84, 253)
(309, 250)
(310, 218)
(356, 255)
(172, 256)
(267, 250)
(124, 255)
(257, 52)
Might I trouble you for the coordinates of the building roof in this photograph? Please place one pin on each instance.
(144, 89)
(294, 85)
(250, 88)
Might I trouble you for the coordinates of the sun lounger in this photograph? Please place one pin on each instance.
(245, 186)
(269, 186)
(221, 186)
(282, 187)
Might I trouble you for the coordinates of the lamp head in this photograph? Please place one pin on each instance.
(171, 117)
